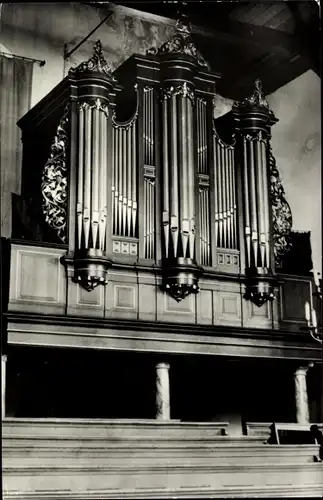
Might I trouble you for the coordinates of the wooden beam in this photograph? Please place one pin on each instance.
(307, 32)
(252, 36)
(221, 29)
(217, 27)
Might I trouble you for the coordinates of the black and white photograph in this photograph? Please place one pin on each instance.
(161, 250)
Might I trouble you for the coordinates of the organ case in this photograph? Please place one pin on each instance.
(139, 174)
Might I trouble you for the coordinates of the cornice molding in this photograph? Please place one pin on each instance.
(160, 327)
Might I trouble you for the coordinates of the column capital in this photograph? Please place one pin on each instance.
(162, 366)
(302, 370)
(4, 357)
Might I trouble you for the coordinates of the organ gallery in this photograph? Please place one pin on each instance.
(159, 278)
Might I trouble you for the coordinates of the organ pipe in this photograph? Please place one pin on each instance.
(180, 269)
(253, 120)
(165, 180)
(149, 172)
(203, 175)
(125, 171)
(225, 218)
(174, 186)
(91, 189)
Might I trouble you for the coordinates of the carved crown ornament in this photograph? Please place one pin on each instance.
(181, 43)
(96, 64)
(256, 99)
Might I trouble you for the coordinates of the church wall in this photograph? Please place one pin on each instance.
(296, 143)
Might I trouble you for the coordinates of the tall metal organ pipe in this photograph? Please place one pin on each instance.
(225, 216)
(91, 202)
(178, 177)
(253, 120)
(178, 173)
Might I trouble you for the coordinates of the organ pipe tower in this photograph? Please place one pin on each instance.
(253, 121)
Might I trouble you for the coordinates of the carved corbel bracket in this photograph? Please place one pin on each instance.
(88, 270)
(180, 277)
(260, 289)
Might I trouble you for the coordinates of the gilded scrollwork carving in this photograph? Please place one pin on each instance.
(96, 64)
(54, 181)
(97, 104)
(281, 213)
(181, 43)
(184, 89)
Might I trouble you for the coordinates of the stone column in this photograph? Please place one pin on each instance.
(301, 398)
(162, 392)
(3, 383)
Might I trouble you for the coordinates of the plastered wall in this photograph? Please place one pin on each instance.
(296, 143)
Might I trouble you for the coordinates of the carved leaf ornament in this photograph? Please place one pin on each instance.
(54, 181)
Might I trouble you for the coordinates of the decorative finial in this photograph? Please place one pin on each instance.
(96, 63)
(181, 42)
(257, 98)
(183, 24)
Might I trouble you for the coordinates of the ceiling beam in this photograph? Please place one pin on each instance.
(221, 28)
(307, 32)
(250, 35)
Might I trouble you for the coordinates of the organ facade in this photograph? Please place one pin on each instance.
(161, 231)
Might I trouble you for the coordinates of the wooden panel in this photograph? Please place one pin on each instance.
(37, 279)
(121, 300)
(168, 309)
(83, 303)
(108, 460)
(257, 317)
(124, 297)
(228, 261)
(294, 293)
(204, 307)
(227, 306)
(147, 302)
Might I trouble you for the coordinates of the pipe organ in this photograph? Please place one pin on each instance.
(157, 232)
(162, 189)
